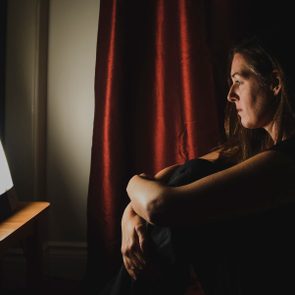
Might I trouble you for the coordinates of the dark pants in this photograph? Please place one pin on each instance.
(254, 255)
(170, 275)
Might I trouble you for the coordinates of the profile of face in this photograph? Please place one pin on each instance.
(254, 101)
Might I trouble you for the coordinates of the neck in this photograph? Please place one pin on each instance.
(272, 130)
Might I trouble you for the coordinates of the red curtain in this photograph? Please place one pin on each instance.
(156, 103)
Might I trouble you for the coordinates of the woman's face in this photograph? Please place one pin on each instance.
(254, 102)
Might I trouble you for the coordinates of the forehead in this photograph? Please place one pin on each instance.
(239, 65)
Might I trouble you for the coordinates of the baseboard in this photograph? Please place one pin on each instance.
(62, 260)
(66, 259)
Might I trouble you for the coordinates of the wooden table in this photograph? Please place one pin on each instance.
(24, 228)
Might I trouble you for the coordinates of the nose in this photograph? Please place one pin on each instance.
(232, 95)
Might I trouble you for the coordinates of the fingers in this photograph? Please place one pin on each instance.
(135, 256)
(133, 252)
(133, 265)
(130, 269)
(139, 258)
(133, 247)
(133, 259)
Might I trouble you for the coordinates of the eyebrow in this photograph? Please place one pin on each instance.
(243, 73)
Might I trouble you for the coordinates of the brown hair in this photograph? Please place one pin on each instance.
(242, 143)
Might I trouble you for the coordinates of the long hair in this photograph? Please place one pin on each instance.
(242, 143)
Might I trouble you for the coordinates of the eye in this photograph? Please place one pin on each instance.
(237, 82)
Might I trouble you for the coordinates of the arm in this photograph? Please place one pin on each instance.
(134, 246)
(246, 187)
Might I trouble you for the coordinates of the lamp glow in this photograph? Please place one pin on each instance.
(5, 176)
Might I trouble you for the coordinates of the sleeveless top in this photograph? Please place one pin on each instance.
(286, 147)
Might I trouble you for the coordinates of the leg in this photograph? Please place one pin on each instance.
(172, 273)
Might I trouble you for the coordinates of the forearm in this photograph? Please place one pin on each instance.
(128, 213)
(146, 196)
(140, 196)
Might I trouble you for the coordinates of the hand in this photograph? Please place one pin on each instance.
(134, 242)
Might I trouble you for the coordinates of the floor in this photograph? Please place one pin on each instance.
(51, 286)
(63, 274)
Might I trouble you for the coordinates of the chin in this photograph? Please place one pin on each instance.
(248, 125)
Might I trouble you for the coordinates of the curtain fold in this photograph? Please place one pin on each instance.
(155, 105)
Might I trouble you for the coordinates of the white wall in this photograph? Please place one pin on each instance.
(62, 116)
(25, 100)
(71, 64)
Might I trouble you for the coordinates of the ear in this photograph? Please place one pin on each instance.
(276, 82)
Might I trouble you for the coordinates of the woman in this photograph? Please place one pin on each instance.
(234, 225)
